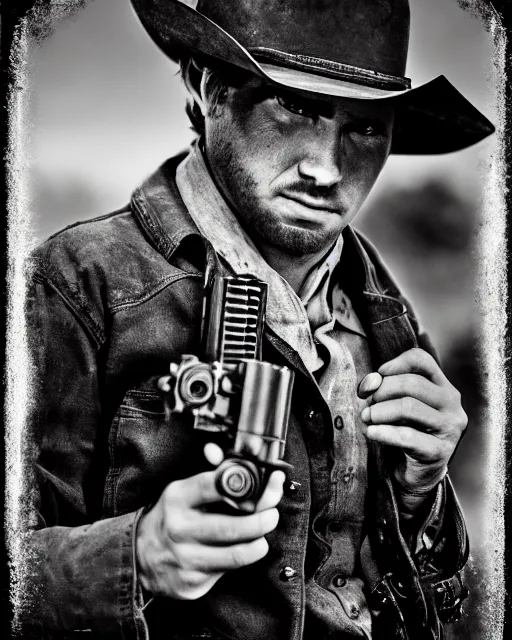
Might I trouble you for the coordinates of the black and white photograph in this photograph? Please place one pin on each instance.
(256, 283)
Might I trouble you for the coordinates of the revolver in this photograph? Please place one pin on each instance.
(232, 391)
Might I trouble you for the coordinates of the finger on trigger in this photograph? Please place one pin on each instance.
(369, 385)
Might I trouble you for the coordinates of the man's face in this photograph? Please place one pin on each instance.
(295, 169)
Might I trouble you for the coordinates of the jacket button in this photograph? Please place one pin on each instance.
(287, 574)
(354, 612)
(338, 423)
(339, 581)
(335, 526)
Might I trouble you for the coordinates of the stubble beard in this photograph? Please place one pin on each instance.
(259, 222)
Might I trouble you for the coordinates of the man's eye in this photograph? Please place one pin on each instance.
(294, 107)
(367, 129)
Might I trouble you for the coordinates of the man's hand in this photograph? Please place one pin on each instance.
(417, 410)
(182, 550)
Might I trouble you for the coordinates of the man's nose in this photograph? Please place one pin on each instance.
(322, 165)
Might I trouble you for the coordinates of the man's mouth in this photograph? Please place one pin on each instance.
(310, 202)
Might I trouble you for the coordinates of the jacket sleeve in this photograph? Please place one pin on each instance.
(426, 555)
(439, 547)
(77, 571)
(437, 537)
(413, 593)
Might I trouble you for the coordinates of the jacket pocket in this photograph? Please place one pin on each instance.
(146, 452)
(135, 426)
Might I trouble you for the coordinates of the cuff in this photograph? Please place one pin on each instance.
(421, 526)
(82, 578)
(410, 502)
(141, 597)
(430, 528)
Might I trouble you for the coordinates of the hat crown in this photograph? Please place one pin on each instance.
(370, 34)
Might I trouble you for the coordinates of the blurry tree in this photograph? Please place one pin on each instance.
(430, 218)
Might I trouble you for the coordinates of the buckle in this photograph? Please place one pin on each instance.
(448, 596)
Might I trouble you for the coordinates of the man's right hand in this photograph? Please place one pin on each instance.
(182, 549)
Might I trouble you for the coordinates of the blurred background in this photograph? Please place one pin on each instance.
(106, 108)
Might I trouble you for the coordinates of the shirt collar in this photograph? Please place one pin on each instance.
(321, 273)
(214, 218)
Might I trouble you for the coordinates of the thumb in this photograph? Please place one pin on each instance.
(369, 385)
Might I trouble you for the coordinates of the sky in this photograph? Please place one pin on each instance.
(106, 107)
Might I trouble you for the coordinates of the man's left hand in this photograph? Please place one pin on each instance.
(417, 410)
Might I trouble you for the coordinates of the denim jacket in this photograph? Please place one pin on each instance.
(111, 302)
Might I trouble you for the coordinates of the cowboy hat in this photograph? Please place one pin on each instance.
(345, 48)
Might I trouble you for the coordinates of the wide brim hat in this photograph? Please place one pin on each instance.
(342, 48)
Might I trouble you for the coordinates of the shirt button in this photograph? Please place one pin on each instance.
(291, 487)
(354, 612)
(338, 423)
(287, 574)
(339, 581)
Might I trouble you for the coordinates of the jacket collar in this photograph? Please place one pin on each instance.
(161, 212)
